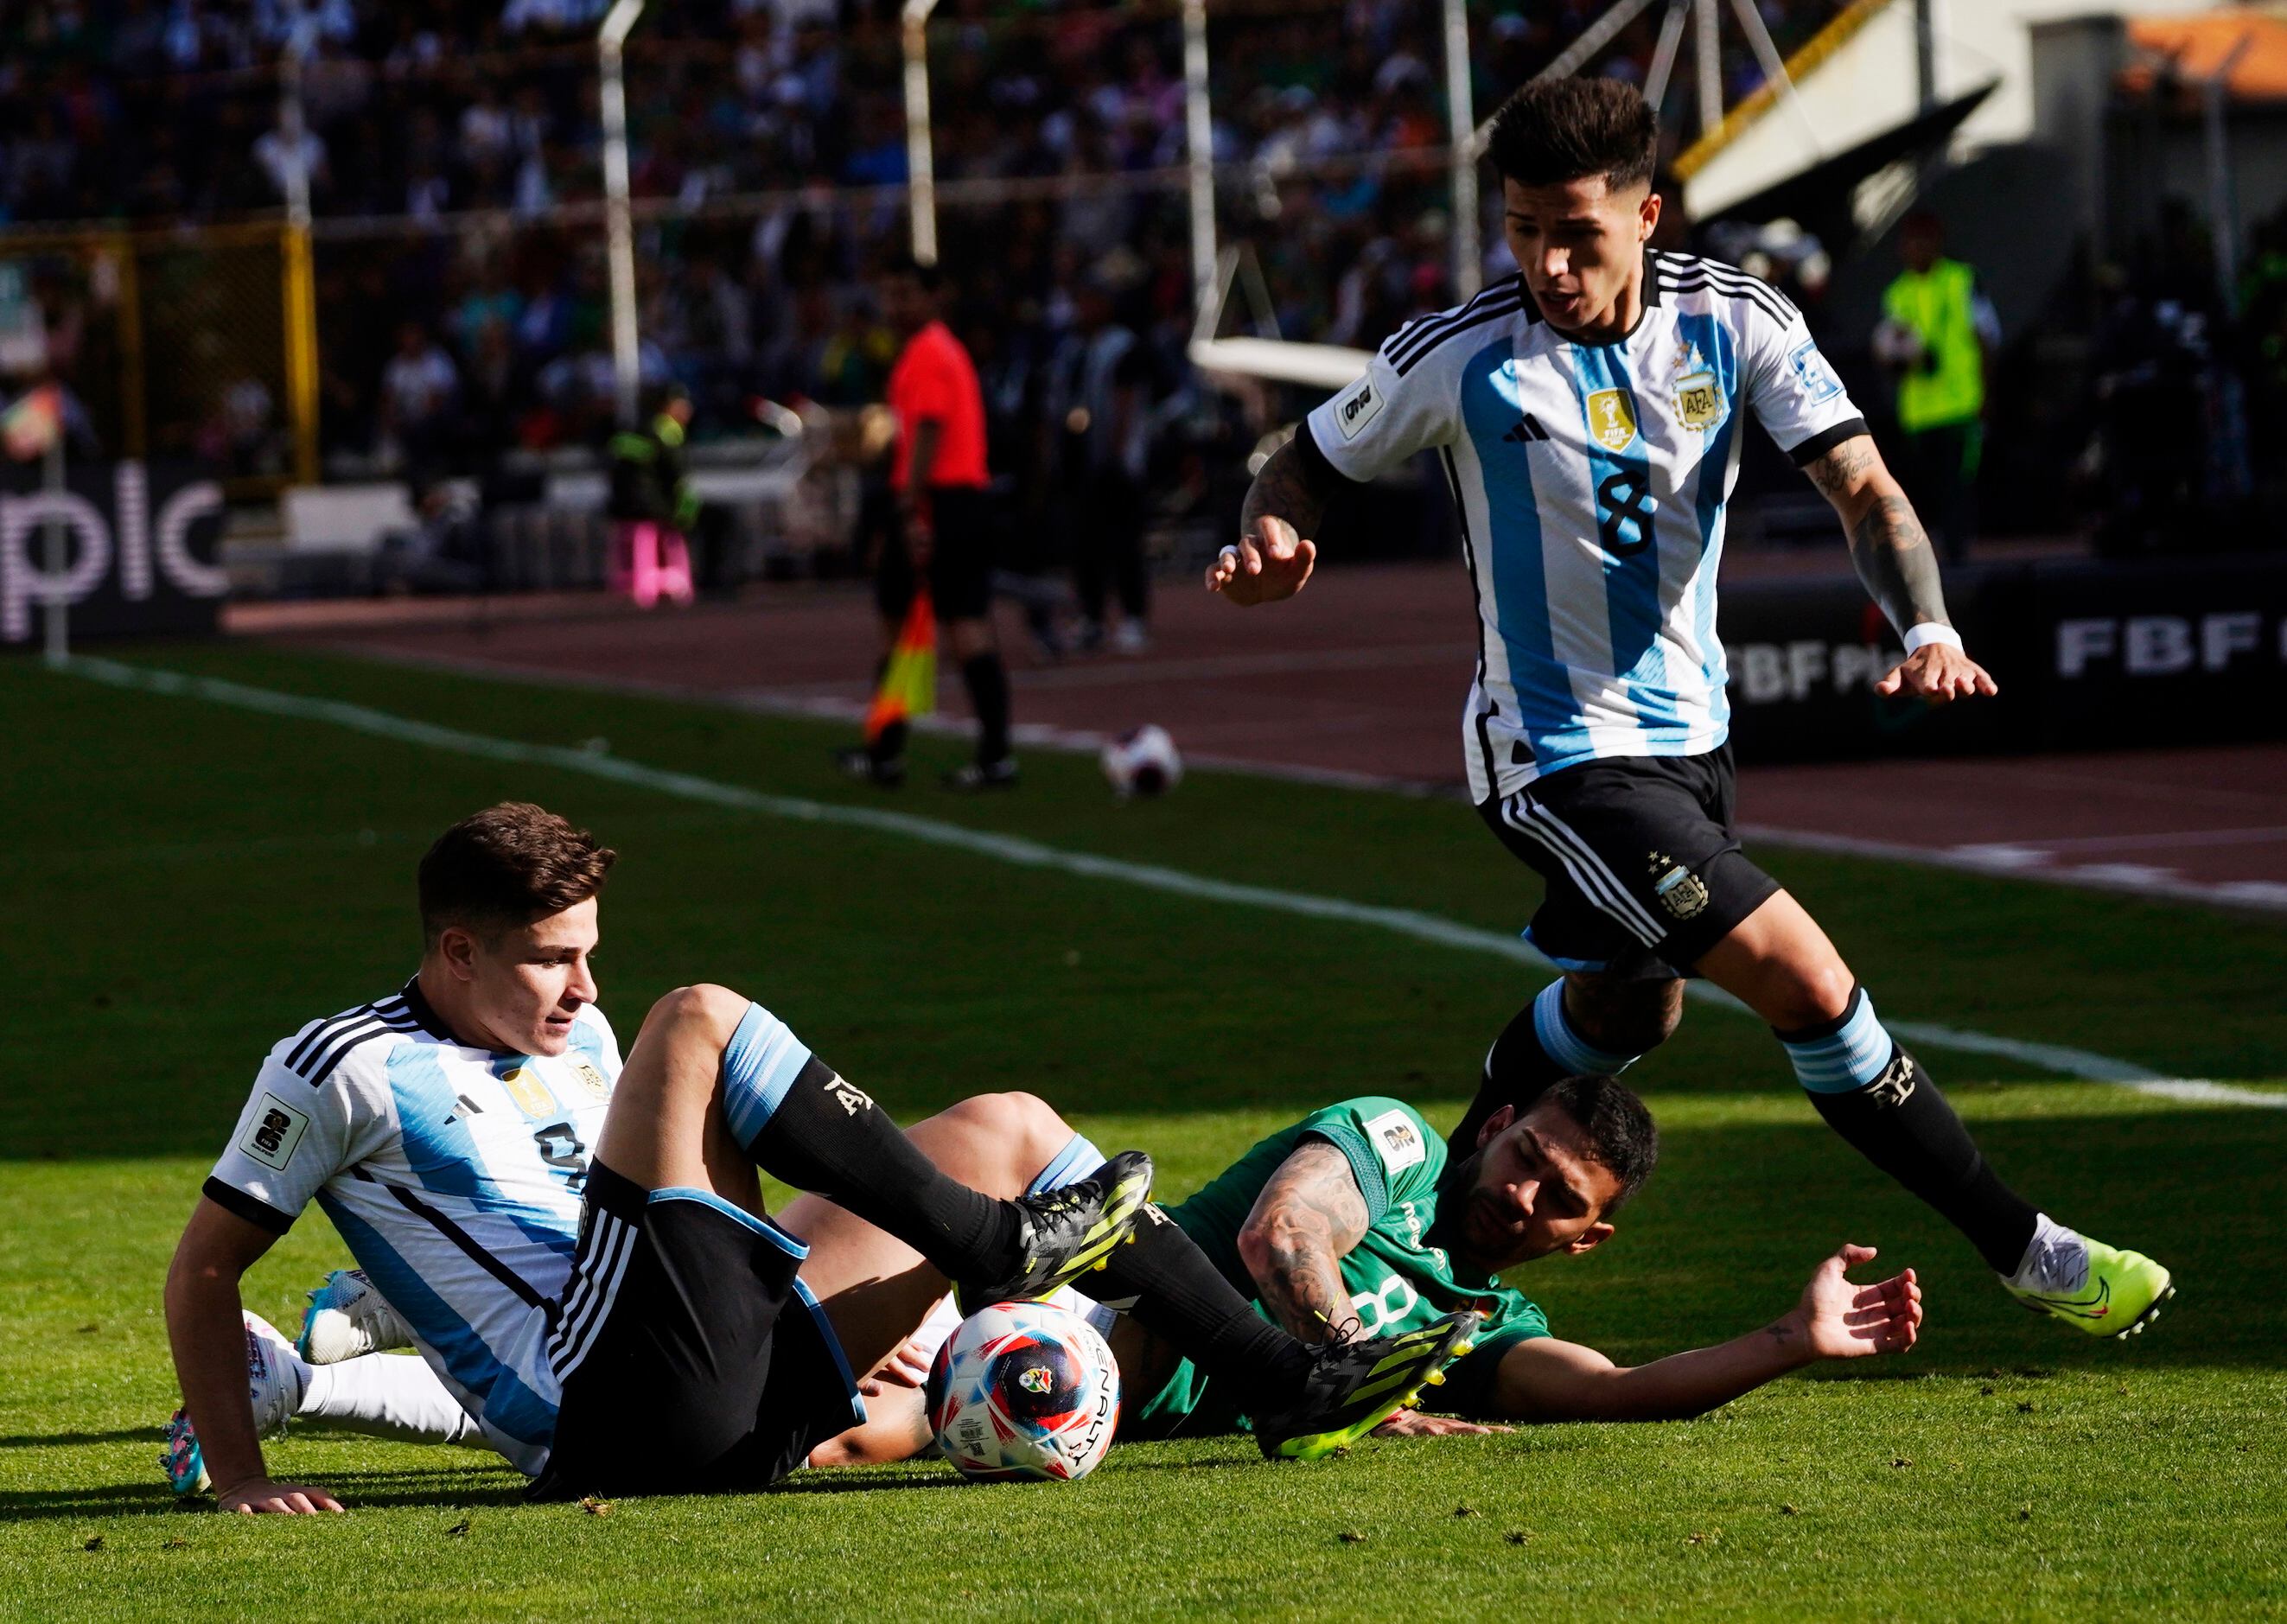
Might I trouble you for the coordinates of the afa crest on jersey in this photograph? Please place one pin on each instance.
(1698, 401)
(1612, 418)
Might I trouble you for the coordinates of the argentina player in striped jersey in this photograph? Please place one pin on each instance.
(579, 1250)
(1588, 414)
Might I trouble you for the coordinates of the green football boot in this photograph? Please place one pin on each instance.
(2121, 1297)
(1355, 1383)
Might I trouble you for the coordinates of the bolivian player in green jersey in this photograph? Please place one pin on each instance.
(1354, 1221)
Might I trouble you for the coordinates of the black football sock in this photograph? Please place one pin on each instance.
(1878, 1096)
(1179, 1295)
(988, 696)
(1539, 1047)
(819, 1133)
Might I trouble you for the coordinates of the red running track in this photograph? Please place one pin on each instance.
(1362, 677)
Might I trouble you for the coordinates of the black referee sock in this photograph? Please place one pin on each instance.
(823, 1135)
(1905, 1127)
(988, 696)
(1179, 1295)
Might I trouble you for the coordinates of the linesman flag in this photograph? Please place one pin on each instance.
(909, 680)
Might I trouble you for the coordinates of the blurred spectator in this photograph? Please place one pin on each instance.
(1099, 412)
(1937, 336)
(417, 394)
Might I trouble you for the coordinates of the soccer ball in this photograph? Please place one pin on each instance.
(1023, 1390)
(1143, 763)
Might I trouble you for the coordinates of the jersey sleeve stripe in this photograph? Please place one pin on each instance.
(314, 1037)
(1819, 444)
(1491, 312)
(1736, 284)
(260, 1213)
(348, 1040)
(1420, 336)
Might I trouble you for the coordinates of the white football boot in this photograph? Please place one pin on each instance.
(348, 1317)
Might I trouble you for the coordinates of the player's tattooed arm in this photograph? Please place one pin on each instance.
(1274, 555)
(1893, 558)
(1887, 544)
(1305, 1221)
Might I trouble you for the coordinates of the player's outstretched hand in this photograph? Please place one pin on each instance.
(1940, 674)
(1414, 1424)
(1264, 567)
(1844, 1320)
(286, 1498)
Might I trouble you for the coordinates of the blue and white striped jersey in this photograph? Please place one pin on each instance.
(1591, 481)
(453, 1174)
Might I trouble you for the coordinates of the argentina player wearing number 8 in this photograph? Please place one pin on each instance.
(1588, 414)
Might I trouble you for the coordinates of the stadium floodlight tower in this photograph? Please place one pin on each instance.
(921, 153)
(619, 218)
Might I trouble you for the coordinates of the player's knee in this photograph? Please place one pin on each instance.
(702, 1004)
(1027, 1125)
(1632, 1018)
(1813, 995)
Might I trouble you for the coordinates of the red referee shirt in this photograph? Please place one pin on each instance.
(934, 381)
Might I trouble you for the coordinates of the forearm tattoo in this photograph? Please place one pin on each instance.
(1889, 546)
(1307, 1217)
(1284, 489)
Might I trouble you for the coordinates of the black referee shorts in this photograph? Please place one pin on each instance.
(961, 563)
(1644, 868)
(691, 1356)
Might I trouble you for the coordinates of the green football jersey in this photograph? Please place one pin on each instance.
(1397, 1282)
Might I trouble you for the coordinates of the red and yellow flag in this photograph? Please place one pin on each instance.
(909, 681)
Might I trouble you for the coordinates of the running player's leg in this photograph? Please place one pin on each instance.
(717, 1087)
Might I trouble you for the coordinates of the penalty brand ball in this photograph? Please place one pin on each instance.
(1023, 1390)
(1143, 763)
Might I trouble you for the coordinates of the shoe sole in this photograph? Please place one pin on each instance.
(1318, 1445)
(2136, 1327)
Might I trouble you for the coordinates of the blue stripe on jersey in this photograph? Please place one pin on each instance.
(472, 1364)
(1716, 346)
(1512, 549)
(443, 1154)
(759, 1065)
(1621, 485)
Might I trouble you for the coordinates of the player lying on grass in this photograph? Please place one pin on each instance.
(1352, 1216)
(627, 1321)
(1589, 413)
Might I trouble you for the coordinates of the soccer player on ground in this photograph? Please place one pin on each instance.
(1588, 414)
(943, 539)
(1352, 1217)
(622, 1319)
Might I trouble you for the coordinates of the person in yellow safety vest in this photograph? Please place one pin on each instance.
(1937, 335)
(653, 508)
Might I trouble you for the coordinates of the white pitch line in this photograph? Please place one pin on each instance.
(1032, 854)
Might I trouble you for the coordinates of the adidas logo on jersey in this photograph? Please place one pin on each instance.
(1527, 428)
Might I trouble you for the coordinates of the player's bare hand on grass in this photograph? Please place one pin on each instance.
(1264, 567)
(1841, 1319)
(283, 1498)
(1939, 674)
(1414, 1424)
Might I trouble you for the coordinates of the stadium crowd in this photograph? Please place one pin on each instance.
(755, 125)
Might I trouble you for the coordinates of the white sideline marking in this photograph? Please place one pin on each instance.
(1032, 854)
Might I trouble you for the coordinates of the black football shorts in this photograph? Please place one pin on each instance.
(694, 1358)
(1644, 868)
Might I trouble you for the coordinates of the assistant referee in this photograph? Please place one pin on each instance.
(943, 532)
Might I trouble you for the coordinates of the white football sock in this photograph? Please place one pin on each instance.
(2056, 1261)
(389, 1396)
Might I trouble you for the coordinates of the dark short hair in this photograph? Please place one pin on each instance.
(1621, 1135)
(905, 264)
(1555, 130)
(506, 867)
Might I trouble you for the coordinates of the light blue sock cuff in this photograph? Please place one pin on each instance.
(1852, 1057)
(1565, 1046)
(759, 1065)
(1074, 1162)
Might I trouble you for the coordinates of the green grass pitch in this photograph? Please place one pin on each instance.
(181, 884)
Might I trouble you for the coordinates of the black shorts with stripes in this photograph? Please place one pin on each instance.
(692, 1358)
(1643, 867)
